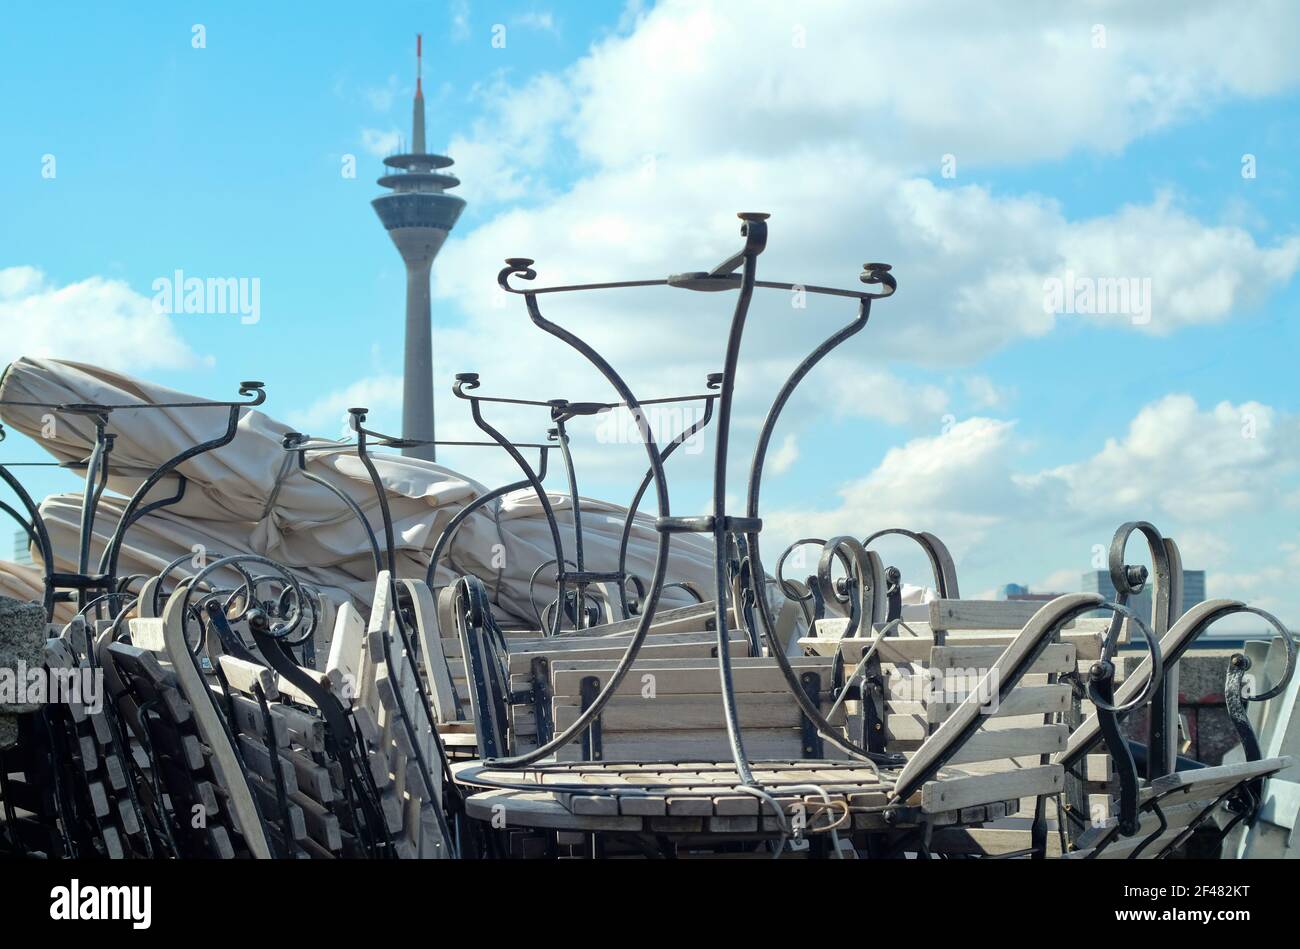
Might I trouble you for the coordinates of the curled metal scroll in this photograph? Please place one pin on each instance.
(941, 564)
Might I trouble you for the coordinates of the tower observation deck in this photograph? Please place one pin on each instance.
(418, 214)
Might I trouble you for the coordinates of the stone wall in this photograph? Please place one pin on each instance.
(1200, 703)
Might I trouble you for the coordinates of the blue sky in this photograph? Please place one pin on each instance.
(982, 153)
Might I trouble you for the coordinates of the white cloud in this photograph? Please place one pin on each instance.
(786, 455)
(878, 394)
(986, 83)
(1189, 470)
(381, 142)
(96, 320)
(543, 21)
(984, 393)
(1268, 588)
(381, 97)
(837, 146)
(1198, 273)
(960, 481)
(459, 10)
(327, 416)
(504, 157)
(1191, 465)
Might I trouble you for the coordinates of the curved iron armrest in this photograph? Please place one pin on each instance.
(941, 562)
(1188, 629)
(1101, 691)
(1238, 690)
(886, 592)
(1001, 679)
(859, 591)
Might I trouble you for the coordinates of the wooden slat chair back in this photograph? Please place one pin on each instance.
(968, 760)
(171, 749)
(684, 633)
(65, 785)
(280, 742)
(530, 663)
(671, 709)
(930, 662)
(694, 619)
(386, 701)
(1171, 808)
(927, 671)
(165, 639)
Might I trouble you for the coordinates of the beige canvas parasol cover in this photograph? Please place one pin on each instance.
(249, 497)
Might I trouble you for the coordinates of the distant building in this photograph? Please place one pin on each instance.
(1098, 581)
(1018, 591)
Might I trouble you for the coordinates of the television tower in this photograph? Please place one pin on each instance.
(418, 214)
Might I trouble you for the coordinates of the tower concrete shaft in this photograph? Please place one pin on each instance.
(418, 215)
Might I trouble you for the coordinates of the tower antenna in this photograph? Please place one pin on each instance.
(417, 213)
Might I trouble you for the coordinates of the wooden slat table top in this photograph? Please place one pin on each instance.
(643, 776)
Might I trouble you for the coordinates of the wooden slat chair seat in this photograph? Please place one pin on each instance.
(1171, 808)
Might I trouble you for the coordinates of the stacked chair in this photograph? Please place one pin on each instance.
(834, 715)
